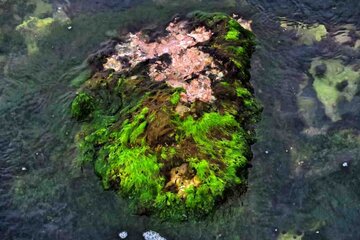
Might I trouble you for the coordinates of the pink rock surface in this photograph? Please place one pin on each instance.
(189, 68)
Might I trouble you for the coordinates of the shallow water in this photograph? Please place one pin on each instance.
(303, 183)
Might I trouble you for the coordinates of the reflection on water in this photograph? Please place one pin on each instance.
(304, 181)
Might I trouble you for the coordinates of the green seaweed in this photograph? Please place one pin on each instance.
(175, 98)
(82, 106)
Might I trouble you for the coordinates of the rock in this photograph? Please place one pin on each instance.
(168, 119)
(340, 86)
(306, 34)
(320, 70)
(333, 85)
(151, 235)
(123, 235)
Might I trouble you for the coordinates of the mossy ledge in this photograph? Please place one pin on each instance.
(171, 154)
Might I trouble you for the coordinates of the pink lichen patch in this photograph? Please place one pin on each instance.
(199, 88)
(189, 68)
(183, 65)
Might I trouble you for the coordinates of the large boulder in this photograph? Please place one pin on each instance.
(169, 115)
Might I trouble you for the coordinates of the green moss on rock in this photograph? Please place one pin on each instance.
(82, 106)
(175, 97)
(171, 158)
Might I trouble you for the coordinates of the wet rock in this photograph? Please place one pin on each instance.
(320, 70)
(153, 124)
(342, 85)
(151, 235)
(345, 164)
(306, 34)
(338, 84)
(123, 235)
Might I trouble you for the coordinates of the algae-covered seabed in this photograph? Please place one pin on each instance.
(299, 185)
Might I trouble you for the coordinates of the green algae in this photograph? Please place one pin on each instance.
(82, 106)
(41, 7)
(307, 34)
(140, 148)
(33, 29)
(290, 236)
(175, 98)
(327, 84)
(243, 92)
(233, 32)
(81, 77)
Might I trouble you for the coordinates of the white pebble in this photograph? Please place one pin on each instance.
(69, 27)
(151, 235)
(266, 152)
(23, 168)
(345, 164)
(123, 235)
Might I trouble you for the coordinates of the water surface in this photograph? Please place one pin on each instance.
(304, 183)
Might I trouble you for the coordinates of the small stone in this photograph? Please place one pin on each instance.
(23, 169)
(69, 27)
(342, 85)
(345, 164)
(266, 152)
(151, 235)
(123, 235)
(182, 110)
(320, 70)
(317, 232)
(286, 150)
(276, 230)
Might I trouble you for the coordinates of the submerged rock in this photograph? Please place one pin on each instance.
(334, 82)
(306, 34)
(168, 116)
